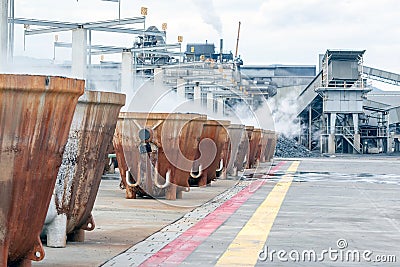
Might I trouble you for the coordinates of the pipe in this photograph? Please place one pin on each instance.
(198, 175)
(128, 175)
(167, 179)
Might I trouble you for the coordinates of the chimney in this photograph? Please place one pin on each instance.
(221, 46)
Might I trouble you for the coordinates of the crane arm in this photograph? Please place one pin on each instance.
(237, 41)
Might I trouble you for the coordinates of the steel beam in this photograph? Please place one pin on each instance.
(46, 30)
(46, 23)
(110, 23)
(157, 47)
(128, 31)
(87, 25)
(102, 49)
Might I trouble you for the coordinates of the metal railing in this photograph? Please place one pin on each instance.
(377, 132)
(342, 130)
(350, 131)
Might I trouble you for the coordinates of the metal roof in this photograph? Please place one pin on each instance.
(348, 55)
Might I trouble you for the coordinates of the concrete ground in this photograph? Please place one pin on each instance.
(121, 223)
(339, 211)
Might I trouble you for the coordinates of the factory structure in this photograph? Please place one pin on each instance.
(337, 110)
(340, 113)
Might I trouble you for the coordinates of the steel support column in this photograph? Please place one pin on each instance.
(127, 76)
(79, 53)
(331, 138)
(181, 88)
(357, 136)
(309, 127)
(210, 102)
(197, 95)
(220, 107)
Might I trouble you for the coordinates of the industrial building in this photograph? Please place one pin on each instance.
(199, 188)
(337, 110)
(339, 114)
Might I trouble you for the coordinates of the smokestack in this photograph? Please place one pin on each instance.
(221, 46)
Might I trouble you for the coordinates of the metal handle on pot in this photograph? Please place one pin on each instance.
(128, 175)
(37, 252)
(89, 224)
(198, 175)
(221, 165)
(167, 179)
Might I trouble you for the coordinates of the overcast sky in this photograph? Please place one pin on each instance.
(272, 32)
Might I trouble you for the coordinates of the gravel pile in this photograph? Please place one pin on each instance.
(289, 148)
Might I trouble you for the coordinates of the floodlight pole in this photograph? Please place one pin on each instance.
(11, 33)
(3, 32)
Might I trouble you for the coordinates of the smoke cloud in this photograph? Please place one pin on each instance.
(284, 113)
(208, 14)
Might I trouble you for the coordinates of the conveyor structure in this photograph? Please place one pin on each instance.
(334, 112)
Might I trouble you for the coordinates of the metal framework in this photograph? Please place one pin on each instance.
(381, 75)
(123, 26)
(103, 49)
(47, 26)
(334, 106)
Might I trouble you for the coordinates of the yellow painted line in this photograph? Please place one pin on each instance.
(244, 250)
(293, 167)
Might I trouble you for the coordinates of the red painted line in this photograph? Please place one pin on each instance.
(180, 248)
(276, 167)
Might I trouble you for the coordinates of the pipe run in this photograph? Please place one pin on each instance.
(167, 179)
(196, 176)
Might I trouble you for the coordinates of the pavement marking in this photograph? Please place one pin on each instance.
(245, 248)
(180, 248)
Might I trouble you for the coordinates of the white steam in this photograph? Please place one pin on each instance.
(150, 97)
(36, 67)
(208, 14)
(284, 113)
(99, 80)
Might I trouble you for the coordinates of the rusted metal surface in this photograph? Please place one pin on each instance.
(236, 133)
(244, 149)
(271, 145)
(264, 142)
(226, 150)
(119, 152)
(213, 138)
(79, 176)
(35, 115)
(255, 148)
(168, 150)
